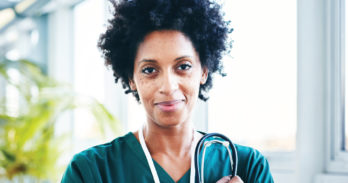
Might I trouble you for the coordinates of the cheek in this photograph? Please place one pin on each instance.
(146, 90)
(192, 86)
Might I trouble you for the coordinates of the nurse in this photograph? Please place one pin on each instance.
(164, 52)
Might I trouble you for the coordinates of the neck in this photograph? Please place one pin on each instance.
(176, 140)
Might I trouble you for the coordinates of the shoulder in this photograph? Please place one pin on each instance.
(252, 165)
(100, 151)
(86, 163)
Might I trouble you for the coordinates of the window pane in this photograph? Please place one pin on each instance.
(88, 68)
(136, 114)
(255, 104)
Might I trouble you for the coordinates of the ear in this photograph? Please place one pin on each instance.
(204, 75)
(132, 85)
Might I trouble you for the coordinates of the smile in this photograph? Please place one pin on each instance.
(169, 106)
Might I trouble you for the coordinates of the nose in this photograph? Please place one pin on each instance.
(168, 83)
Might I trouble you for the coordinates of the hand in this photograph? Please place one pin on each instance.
(227, 179)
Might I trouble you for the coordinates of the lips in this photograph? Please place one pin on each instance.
(169, 106)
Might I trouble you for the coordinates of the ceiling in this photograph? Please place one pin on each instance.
(28, 8)
(8, 3)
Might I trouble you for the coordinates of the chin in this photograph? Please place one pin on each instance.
(170, 121)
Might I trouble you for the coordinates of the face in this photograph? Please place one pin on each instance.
(167, 75)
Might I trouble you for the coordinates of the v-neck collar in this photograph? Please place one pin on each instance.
(134, 145)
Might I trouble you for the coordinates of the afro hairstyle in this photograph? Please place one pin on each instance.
(199, 20)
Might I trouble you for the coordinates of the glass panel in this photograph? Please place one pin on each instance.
(88, 67)
(136, 114)
(255, 104)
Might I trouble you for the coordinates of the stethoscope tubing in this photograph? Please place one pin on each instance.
(199, 146)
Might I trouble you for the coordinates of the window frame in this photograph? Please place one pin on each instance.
(336, 157)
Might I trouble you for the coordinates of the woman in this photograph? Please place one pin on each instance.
(164, 52)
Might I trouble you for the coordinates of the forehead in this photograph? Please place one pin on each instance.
(165, 43)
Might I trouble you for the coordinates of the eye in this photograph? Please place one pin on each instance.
(184, 67)
(148, 70)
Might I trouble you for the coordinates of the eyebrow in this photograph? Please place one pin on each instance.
(153, 60)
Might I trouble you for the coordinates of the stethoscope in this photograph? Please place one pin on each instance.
(216, 138)
(196, 170)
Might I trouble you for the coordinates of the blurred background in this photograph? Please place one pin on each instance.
(284, 93)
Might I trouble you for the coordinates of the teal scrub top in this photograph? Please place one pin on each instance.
(123, 160)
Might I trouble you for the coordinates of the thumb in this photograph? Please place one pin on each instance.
(225, 179)
(236, 179)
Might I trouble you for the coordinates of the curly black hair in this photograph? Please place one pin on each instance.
(199, 20)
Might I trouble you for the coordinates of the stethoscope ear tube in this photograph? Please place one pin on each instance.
(199, 178)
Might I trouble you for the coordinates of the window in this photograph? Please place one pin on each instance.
(89, 70)
(255, 104)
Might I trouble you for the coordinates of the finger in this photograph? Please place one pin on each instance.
(224, 179)
(236, 179)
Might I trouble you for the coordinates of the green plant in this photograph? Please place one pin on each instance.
(28, 144)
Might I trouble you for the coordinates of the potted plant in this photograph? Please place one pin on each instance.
(29, 146)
